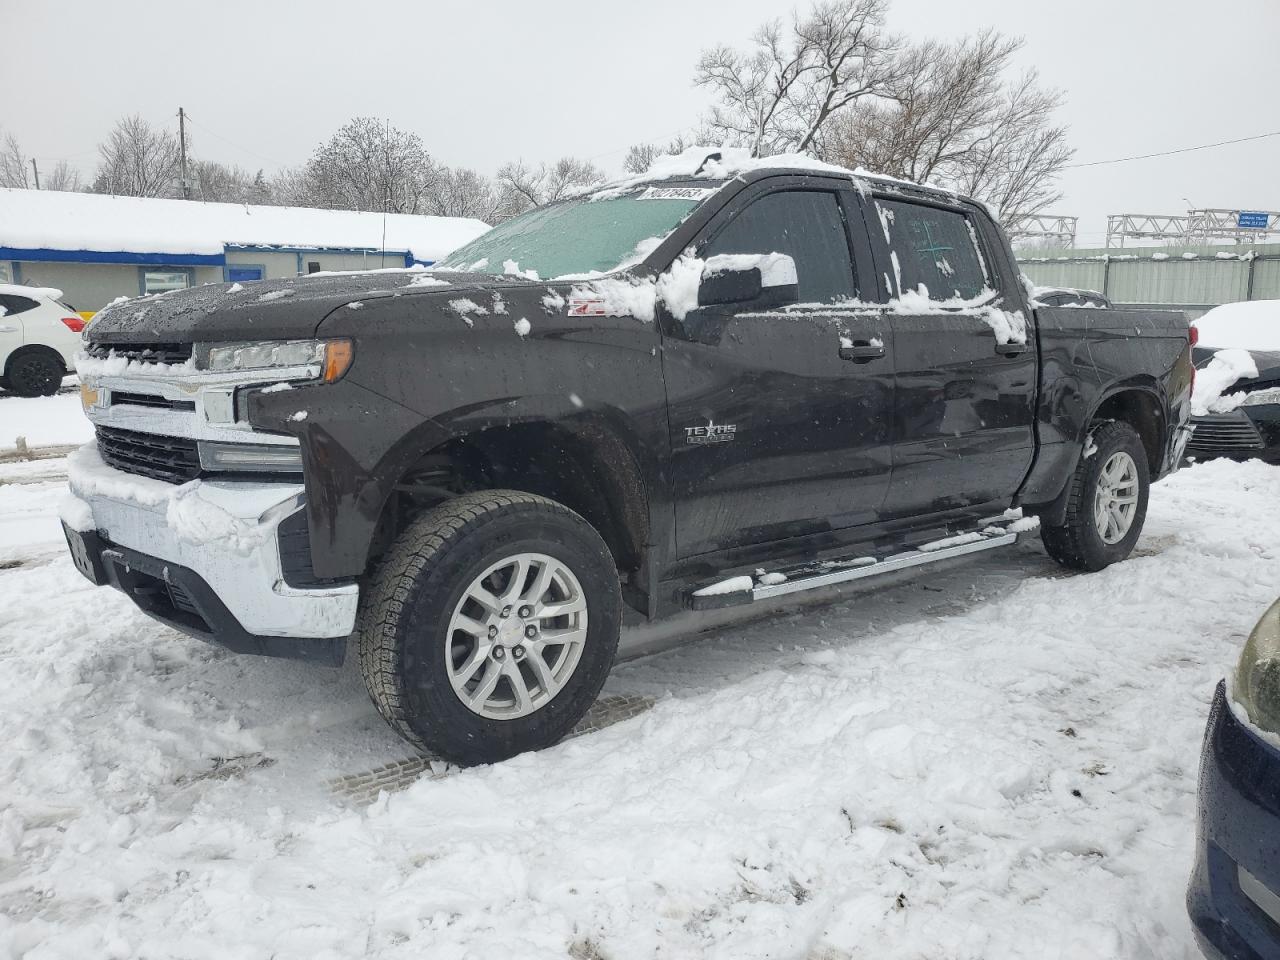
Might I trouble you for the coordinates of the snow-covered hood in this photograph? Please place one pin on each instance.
(292, 308)
(1267, 362)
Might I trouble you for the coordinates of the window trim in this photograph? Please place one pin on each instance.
(884, 250)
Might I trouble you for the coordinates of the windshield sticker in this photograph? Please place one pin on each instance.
(677, 193)
(587, 307)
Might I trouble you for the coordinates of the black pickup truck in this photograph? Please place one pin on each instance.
(701, 392)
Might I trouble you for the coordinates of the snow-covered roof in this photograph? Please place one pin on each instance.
(52, 220)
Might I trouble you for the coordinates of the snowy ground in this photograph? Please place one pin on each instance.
(996, 762)
(44, 421)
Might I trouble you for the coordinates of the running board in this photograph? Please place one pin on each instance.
(743, 590)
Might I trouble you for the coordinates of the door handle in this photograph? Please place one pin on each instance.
(1012, 349)
(862, 351)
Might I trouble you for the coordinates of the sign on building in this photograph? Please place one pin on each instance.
(1251, 220)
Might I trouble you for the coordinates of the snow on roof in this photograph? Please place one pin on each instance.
(1247, 325)
(19, 290)
(52, 220)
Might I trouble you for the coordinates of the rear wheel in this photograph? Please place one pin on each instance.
(1108, 502)
(490, 626)
(34, 374)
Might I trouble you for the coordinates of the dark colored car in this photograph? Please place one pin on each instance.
(1234, 896)
(736, 366)
(1252, 429)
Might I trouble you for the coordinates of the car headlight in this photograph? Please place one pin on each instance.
(326, 359)
(1260, 397)
(1257, 683)
(250, 457)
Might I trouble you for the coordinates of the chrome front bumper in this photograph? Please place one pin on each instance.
(224, 532)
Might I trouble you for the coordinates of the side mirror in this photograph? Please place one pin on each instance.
(768, 280)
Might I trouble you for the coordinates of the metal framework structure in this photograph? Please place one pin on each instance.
(1051, 228)
(1196, 226)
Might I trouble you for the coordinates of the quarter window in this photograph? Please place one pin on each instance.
(14, 304)
(806, 225)
(936, 250)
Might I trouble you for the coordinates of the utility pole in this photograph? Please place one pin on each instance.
(182, 146)
(36, 171)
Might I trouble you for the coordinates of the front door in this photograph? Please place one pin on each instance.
(780, 419)
(964, 425)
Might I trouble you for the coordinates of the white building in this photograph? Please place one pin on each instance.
(96, 248)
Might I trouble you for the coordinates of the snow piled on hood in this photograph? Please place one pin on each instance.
(1249, 325)
(1223, 370)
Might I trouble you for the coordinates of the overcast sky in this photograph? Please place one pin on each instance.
(482, 83)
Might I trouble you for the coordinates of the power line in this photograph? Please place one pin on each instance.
(232, 143)
(1169, 153)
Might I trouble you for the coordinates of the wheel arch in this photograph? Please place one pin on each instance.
(37, 348)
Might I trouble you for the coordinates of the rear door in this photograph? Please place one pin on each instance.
(777, 430)
(11, 336)
(963, 434)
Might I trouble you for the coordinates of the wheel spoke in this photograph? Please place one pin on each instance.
(516, 583)
(463, 674)
(481, 693)
(541, 672)
(469, 625)
(541, 582)
(569, 635)
(575, 604)
(485, 597)
(518, 686)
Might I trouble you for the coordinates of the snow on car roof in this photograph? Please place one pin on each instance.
(18, 290)
(1248, 325)
(722, 163)
(53, 220)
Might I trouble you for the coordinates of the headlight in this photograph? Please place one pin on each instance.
(1260, 397)
(1257, 686)
(327, 359)
(250, 457)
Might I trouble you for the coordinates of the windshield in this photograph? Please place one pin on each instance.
(581, 236)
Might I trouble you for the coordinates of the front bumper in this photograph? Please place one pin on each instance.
(1234, 895)
(206, 558)
(1244, 433)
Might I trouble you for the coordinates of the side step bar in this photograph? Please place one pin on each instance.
(743, 590)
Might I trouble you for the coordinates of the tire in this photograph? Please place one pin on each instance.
(1079, 543)
(34, 374)
(421, 630)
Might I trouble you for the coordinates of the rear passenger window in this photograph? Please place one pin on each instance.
(806, 225)
(15, 304)
(936, 250)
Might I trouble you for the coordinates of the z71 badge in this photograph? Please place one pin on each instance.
(711, 433)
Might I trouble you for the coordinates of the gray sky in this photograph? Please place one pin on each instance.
(483, 83)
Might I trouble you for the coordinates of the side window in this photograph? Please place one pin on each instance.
(15, 304)
(805, 224)
(935, 249)
(162, 281)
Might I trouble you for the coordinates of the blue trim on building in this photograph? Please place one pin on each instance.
(40, 254)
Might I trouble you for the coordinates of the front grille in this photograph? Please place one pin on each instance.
(172, 459)
(142, 352)
(151, 400)
(1224, 433)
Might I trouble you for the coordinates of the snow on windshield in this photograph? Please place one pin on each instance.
(579, 238)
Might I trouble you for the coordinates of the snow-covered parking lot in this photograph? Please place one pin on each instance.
(995, 761)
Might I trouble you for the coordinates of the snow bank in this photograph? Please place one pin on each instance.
(1249, 325)
(52, 220)
(1214, 378)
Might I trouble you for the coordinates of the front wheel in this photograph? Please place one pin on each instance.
(490, 626)
(34, 375)
(1108, 501)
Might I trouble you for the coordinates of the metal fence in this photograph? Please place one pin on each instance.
(1193, 279)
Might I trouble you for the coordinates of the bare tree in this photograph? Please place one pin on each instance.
(223, 183)
(640, 156)
(368, 165)
(137, 160)
(15, 165)
(950, 117)
(461, 192)
(526, 186)
(63, 177)
(779, 95)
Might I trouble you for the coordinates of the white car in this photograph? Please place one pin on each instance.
(39, 338)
